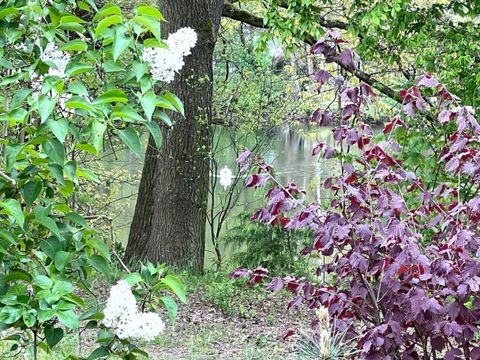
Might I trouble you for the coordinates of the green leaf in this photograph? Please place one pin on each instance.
(88, 148)
(107, 10)
(88, 174)
(156, 133)
(67, 189)
(43, 282)
(99, 353)
(59, 128)
(133, 278)
(68, 318)
(174, 100)
(5, 235)
(10, 314)
(105, 336)
(149, 11)
(78, 102)
(71, 19)
(8, 11)
(154, 43)
(29, 317)
(120, 42)
(148, 102)
(171, 306)
(112, 66)
(110, 96)
(127, 113)
(46, 104)
(139, 69)
(107, 22)
(98, 131)
(71, 170)
(62, 288)
(77, 68)
(91, 314)
(12, 208)
(50, 247)
(78, 88)
(6, 64)
(74, 45)
(16, 115)
(75, 299)
(99, 263)
(130, 137)
(173, 284)
(57, 172)
(19, 97)
(30, 191)
(78, 219)
(100, 246)
(150, 24)
(48, 223)
(14, 78)
(84, 6)
(61, 259)
(53, 336)
(54, 150)
(45, 315)
(12, 152)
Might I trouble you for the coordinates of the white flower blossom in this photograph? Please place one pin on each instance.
(58, 58)
(226, 177)
(124, 318)
(165, 63)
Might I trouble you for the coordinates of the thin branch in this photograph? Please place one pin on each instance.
(243, 16)
(8, 178)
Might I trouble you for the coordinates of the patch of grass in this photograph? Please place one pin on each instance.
(230, 296)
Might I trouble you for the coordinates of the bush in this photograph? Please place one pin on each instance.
(404, 268)
(71, 74)
(267, 246)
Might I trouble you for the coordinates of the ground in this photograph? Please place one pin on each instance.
(223, 320)
(243, 325)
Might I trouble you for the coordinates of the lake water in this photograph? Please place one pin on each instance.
(287, 148)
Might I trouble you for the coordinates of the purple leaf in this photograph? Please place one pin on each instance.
(346, 59)
(428, 81)
(322, 76)
(275, 285)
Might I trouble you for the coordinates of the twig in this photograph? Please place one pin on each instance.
(8, 178)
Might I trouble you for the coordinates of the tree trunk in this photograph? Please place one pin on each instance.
(170, 214)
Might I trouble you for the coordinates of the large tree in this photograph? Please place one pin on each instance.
(169, 220)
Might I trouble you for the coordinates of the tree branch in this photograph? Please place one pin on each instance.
(8, 178)
(234, 13)
(243, 16)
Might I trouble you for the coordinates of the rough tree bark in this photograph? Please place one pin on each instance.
(170, 214)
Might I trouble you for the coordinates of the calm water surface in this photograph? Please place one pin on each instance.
(288, 149)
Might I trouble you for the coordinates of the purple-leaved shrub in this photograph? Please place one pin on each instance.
(403, 259)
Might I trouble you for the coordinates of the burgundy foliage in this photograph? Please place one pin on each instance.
(404, 261)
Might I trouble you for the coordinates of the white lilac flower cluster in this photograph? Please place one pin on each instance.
(165, 63)
(58, 58)
(122, 316)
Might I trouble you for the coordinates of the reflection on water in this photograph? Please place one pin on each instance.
(288, 150)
